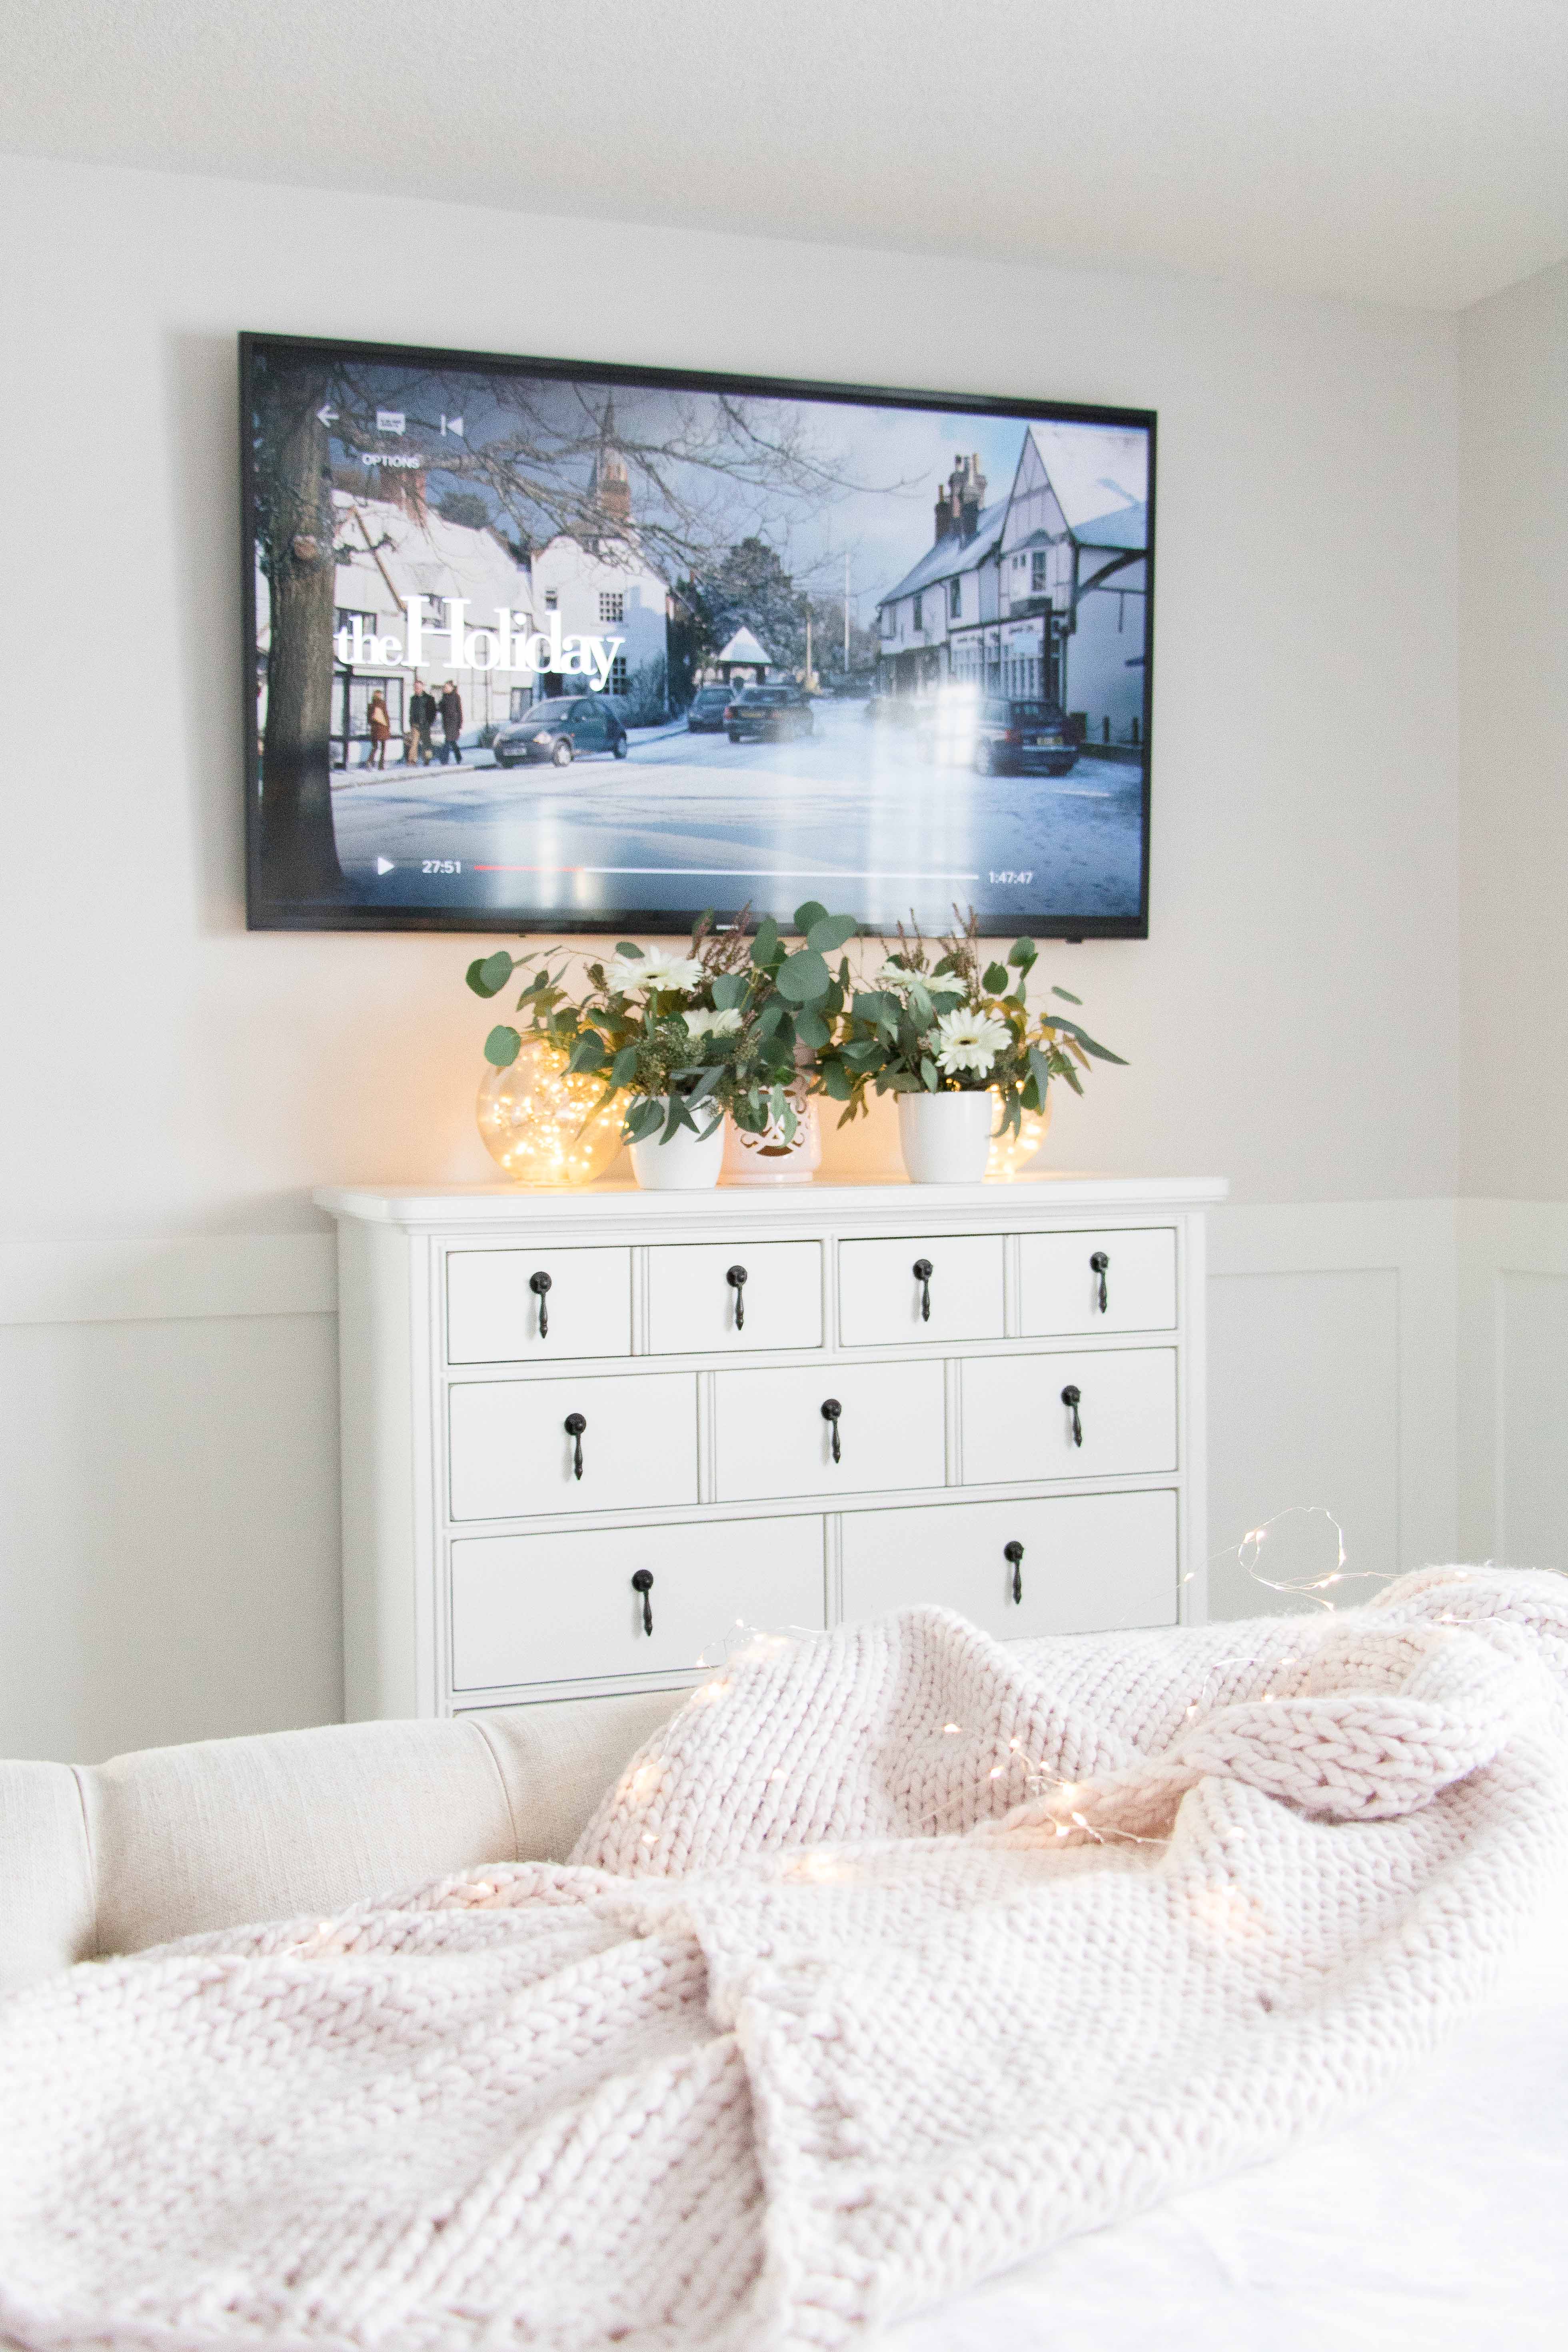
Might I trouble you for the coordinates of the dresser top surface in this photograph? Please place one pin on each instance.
(1021, 1198)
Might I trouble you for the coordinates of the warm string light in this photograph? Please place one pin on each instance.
(744, 1644)
(538, 1122)
(1009, 1153)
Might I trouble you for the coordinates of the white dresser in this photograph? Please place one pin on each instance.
(588, 1436)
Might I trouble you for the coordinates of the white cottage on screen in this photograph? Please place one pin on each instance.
(1041, 594)
(602, 584)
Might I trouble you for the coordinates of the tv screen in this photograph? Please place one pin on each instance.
(547, 646)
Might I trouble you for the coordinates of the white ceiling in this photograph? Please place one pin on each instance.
(1405, 150)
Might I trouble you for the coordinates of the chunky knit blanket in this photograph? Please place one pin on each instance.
(895, 1957)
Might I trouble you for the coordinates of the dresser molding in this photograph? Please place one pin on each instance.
(434, 1590)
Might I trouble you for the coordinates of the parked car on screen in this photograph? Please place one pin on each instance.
(768, 714)
(562, 730)
(1023, 738)
(709, 704)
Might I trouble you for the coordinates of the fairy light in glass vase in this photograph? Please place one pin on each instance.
(1011, 1153)
(538, 1122)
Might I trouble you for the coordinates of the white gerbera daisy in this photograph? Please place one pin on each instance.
(894, 976)
(713, 1024)
(670, 974)
(966, 1043)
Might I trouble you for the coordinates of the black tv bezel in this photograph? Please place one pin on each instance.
(661, 922)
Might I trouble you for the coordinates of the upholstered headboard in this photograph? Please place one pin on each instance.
(174, 1840)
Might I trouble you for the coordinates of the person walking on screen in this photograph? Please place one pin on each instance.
(451, 723)
(421, 720)
(379, 721)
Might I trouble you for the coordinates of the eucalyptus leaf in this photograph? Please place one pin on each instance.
(831, 932)
(804, 976)
(878, 1005)
(1022, 954)
(810, 914)
(812, 1030)
(487, 975)
(502, 1046)
(994, 979)
(623, 1068)
(836, 1082)
(929, 1078)
(1100, 1052)
(644, 1117)
(588, 1052)
(1067, 996)
(765, 945)
(729, 991)
(629, 950)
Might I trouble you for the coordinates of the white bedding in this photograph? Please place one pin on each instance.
(892, 1954)
(1437, 2222)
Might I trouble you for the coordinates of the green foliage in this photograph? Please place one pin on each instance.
(679, 1057)
(487, 975)
(502, 1048)
(889, 1038)
(726, 1038)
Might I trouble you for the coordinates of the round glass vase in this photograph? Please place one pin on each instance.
(688, 1163)
(537, 1122)
(1011, 1154)
(946, 1137)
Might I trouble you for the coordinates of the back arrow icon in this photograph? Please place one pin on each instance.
(327, 413)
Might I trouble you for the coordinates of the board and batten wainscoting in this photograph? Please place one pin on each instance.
(589, 1437)
(169, 1489)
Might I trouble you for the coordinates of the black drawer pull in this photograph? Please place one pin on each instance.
(540, 1285)
(736, 1278)
(1099, 1264)
(1072, 1398)
(923, 1270)
(831, 1409)
(576, 1423)
(1013, 1552)
(642, 1582)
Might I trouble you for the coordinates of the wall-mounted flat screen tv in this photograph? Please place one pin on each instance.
(548, 646)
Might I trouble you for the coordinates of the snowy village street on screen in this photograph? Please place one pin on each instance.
(601, 651)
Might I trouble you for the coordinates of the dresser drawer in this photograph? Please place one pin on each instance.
(1016, 1425)
(1089, 1563)
(882, 1299)
(694, 1308)
(512, 1456)
(1059, 1282)
(583, 1300)
(771, 1436)
(559, 1608)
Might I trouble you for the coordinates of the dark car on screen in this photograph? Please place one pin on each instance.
(1023, 738)
(709, 704)
(768, 714)
(566, 728)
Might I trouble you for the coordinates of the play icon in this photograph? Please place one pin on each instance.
(384, 865)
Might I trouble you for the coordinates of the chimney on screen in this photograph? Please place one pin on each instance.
(959, 503)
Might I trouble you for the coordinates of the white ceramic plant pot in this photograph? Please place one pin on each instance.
(687, 1163)
(946, 1138)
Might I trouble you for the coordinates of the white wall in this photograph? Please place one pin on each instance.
(1289, 1022)
(1513, 825)
(1513, 934)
